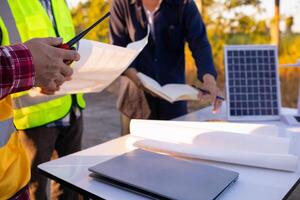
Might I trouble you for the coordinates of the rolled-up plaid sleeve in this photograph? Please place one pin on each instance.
(16, 69)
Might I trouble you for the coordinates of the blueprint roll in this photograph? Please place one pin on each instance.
(255, 145)
(285, 162)
(181, 131)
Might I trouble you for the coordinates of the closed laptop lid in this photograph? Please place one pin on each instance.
(163, 177)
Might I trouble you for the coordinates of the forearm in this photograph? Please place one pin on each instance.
(16, 69)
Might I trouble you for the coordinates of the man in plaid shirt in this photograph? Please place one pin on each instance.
(16, 69)
(35, 63)
(19, 63)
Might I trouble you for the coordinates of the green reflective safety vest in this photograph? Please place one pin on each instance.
(5, 38)
(31, 21)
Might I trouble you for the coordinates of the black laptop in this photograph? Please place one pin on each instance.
(159, 176)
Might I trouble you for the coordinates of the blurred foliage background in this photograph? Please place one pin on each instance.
(227, 23)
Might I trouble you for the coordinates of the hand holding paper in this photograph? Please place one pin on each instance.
(99, 66)
(169, 92)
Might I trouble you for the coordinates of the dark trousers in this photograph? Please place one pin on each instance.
(22, 194)
(163, 110)
(40, 144)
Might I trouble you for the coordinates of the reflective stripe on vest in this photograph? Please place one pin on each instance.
(5, 38)
(7, 16)
(7, 129)
(27, 100)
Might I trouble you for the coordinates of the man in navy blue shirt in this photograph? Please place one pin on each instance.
(172, 23)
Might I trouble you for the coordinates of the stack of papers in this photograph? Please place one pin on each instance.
(254, 145)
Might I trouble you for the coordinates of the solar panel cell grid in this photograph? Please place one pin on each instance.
(252, 82)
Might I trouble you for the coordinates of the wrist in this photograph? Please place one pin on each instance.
(24, 72)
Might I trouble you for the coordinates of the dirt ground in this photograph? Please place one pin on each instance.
(102, 123)
(101, 119)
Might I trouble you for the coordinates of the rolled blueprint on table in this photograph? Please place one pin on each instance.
(100, 64)
(173, 130)
(285, 162)
(205, 140)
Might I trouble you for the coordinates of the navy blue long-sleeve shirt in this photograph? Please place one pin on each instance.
(175, 22)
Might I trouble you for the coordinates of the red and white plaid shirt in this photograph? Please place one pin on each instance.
(16, 69)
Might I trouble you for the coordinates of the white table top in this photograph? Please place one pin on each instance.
(253, 183)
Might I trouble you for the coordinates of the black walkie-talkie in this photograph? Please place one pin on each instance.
(70, 43)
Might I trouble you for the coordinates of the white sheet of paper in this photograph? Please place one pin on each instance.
(170, 92)
(100, 64)
(245, 144)
(182, 131)
(286, 162)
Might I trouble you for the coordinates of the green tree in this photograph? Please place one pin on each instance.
(87, 13)
(237, 3)
(238, 29)
(203, 5)
(289, 22)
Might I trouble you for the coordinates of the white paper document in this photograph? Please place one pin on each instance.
(99, 65)
(216, 141)
(169, 92)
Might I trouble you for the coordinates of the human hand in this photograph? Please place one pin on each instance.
(131, 73)
(209, 84)
(50, 70)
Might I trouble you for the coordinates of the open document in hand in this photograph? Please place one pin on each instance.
(99, 66)
(170, 92)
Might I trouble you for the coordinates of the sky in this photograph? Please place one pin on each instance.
(288, 8)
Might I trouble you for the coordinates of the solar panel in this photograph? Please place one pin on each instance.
(252, 82)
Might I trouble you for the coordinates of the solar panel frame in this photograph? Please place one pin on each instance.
(258, 115)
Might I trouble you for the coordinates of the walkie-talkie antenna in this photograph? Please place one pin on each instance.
(83, 33)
